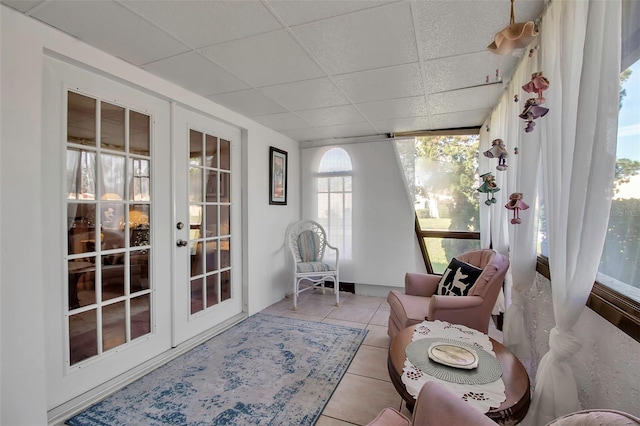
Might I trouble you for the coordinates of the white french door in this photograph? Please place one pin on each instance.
(207, 224)
(108, 229)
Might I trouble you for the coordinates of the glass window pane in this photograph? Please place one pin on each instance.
(114, 332)
(225, 285)
(81, 119)
(140, 316)
(111, 127)
(225, 220)
(81, 280)
(197, 258)
(195, 185)
(139, 225)
(113, 177)
(139, 133)
(139, 179)
(225, 187)
(81, 174)
(619, 266)
(195, 148)
(211, 213)
(81, 227)
(211, 184)
(336, 184)
(211, 149)
(323, 184)
(112, 275)
(83, 336)
(225, 249)
(225, 154)
(212, 256)
(139, 270)
(446, 181)
(442, 250)
(197, 301)
(212, 290)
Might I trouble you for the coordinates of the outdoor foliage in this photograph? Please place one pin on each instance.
(621, 249)
(452, 162)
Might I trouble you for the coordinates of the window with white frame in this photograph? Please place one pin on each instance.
(335, 199)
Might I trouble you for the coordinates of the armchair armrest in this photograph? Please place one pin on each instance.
(327, 245)
(417, 284)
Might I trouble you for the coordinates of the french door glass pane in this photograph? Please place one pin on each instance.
(108, 241)
(209, 212)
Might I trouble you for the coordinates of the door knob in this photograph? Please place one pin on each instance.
(181, 243)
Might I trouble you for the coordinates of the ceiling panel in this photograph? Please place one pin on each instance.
(308, 94)
(307, 134)
(394, 108)
(460, 119)
(266, 59)
(301, 12)
(384, 83)
(362, 40)
(465, 99)
(204, 23)
(22, 5)
(350, 130)
(248, 102)
(196, 73)
(403, 124)
(345, 114)
(112, 28)
(282, 121)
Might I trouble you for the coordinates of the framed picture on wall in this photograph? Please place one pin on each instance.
(277, 176)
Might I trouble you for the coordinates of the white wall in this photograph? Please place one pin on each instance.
(607, 367)
(23, 221)
(383, 217)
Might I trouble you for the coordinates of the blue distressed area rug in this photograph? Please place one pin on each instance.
(266, 370)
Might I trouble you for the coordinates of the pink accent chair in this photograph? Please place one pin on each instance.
(435, 406)
(419, 301)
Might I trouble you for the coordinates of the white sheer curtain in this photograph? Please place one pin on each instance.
(580, 54)
(521, 177)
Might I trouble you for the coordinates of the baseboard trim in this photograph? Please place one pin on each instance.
(58, 415)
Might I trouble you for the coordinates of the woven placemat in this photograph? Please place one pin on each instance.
(488, 370)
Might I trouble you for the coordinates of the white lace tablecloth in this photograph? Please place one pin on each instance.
(483, 397)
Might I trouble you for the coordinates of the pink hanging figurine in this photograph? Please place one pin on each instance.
(533, 106)
(498, 151)
(489, 187)
(516, 204)
(538, 84)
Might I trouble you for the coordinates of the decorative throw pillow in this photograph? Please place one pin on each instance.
(458, 278)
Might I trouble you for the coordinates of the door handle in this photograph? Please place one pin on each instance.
(181, 243)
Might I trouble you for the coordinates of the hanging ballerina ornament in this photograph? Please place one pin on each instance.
(516, 204)
(489, 187)
(499, 151)
(533, 108)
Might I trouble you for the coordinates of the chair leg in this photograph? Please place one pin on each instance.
(336, 289)
(295, 294)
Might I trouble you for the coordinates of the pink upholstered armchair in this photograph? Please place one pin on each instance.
(420, 301)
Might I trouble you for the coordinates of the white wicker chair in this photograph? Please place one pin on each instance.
(307, 242)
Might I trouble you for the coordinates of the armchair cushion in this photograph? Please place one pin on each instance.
(308, 243)
(458, 278)
(314, 267)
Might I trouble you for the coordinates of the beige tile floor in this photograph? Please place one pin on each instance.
(366, 387)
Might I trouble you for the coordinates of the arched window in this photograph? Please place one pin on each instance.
(335, 199)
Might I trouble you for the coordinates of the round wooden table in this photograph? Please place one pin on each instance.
(515, 377)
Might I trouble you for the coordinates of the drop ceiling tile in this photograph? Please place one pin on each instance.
(301, 12)
(439, 34)
(264, 60)
(384, 83)
(332, 116)
(195, 73)
(372, 38)
(111, 28)
(394, 108)
(248, 102)
(308, 94)
(403, 124)
(460, 119)
(465, 70)
(22, 5)
(308, 134)
(465, 99)
(203, 23)
(282, 121)
(350, 130)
